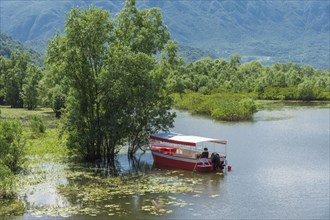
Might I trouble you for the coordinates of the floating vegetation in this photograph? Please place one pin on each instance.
(162, 205)
(69, 190)
(214, 195)
(80, 191)
(11, 207)
(53, 211)
(88, 190)
(97, 188)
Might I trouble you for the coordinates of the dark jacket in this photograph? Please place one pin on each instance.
(205, 154)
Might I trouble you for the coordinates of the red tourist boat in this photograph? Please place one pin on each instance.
(184, 152)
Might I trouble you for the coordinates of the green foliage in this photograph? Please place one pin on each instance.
(306, 90)
(30, 89)
(19, 81)
(6, 182)
(11, 157)
(37, 124)
(278, 82)
(211, 77)
(11, 147)
(47, 144)
(53, 86)
(9, 46)
(141, 30)
(57, 98)
(107, 71)
(192, 54)
(11, 144)
(11, 207)
(14, 79)
(221, 106)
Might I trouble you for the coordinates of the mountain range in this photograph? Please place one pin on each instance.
(265, 30)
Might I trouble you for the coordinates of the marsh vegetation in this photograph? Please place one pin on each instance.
(71, 187)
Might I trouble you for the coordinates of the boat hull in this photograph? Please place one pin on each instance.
(179, 162)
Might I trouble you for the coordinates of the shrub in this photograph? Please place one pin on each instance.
(248, 106)
(229, 110)
(11, 144)
(220, 105)
(11, 207)
(6, 182)
(37, 124)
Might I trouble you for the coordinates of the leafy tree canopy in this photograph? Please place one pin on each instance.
(107, 69)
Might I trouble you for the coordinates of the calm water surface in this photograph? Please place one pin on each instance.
(280, 170)
(280, 164)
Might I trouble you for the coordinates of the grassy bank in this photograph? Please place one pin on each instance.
(37, 143)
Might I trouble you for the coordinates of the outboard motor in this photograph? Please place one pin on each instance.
(222, 162)
(215, 158)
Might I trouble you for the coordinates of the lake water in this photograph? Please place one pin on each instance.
(280, 164)
(280, 170)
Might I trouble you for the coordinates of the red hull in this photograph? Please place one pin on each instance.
(179, 162)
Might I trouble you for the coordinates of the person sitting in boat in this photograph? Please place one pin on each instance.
(205, 153)
(215, 158)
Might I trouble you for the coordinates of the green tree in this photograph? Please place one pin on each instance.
(53, 86)
(109, 66)
(30, 90)
(235, 60)
(14, 79)
(306, 90)
(88, 33)
(140, 30)
(5, 66)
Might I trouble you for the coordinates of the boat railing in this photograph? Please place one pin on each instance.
(204, 162)
(177, 146)
(166, 149)
(160, 144)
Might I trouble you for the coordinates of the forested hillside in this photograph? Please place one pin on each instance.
(8, 46)
(267, 31)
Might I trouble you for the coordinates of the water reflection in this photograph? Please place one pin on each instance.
(138, 164)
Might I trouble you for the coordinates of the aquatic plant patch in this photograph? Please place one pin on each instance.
(90, 191)
(69, 190)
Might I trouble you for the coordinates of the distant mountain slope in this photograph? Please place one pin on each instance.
(267, 30)
(8, 45)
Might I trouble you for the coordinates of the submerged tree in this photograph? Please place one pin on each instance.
(140, 35)
(115, 96)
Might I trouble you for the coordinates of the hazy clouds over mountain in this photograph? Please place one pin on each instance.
(271, 31)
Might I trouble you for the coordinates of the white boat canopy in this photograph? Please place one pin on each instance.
(189, 140)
